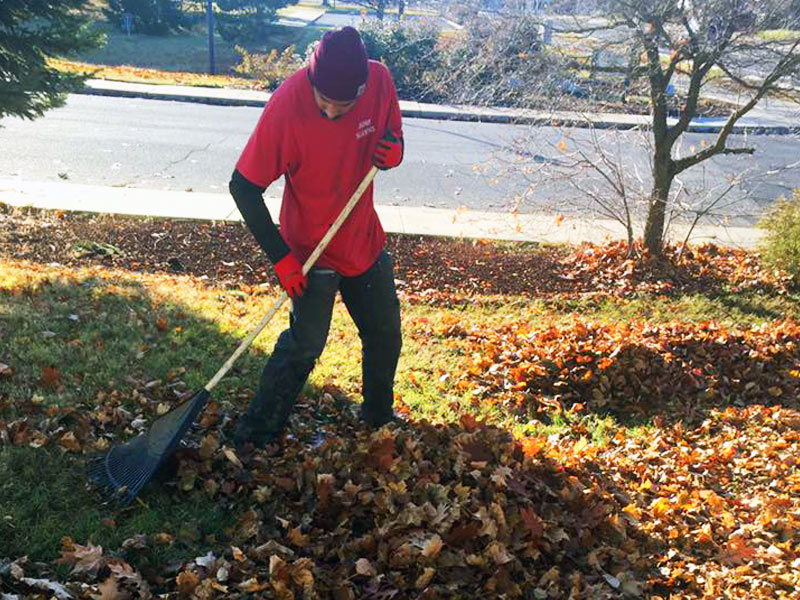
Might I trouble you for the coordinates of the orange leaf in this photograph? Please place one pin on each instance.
(50, 376)
(661, 507)
(186, 582)
(470, 423)
(531, 447)
(381, 453)
(432, 547)
(238, 555)
(736, 552)
(298, 538)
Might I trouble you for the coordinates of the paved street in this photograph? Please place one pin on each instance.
(164, 145)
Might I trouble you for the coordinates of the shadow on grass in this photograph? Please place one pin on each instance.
(765, 309)
(94, 358)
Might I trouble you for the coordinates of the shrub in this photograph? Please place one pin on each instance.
(781, 244)
(151, 17)
(498, 61)
(410, 51)
(270, 69)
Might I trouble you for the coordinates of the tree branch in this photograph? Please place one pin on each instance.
(789, 61)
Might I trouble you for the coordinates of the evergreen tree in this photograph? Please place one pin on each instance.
(151, 17)
(30, 31)
(248, 20)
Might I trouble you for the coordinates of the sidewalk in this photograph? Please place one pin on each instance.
(458, 223)
(299, 15)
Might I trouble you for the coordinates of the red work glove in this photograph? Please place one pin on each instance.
(290, 274)
(389, 152)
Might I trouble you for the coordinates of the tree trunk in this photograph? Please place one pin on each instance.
(657, 210)
(381, 8)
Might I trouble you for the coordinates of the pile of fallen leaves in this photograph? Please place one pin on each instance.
(436, 271)
(133, 74)
(459, 510)
(413, 510)
(614, 270)
(634, 369)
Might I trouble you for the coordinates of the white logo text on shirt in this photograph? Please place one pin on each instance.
(365, 127)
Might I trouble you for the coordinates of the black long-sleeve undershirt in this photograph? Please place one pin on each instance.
(250, 201)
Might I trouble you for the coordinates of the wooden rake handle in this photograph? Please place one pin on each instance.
(323, 243)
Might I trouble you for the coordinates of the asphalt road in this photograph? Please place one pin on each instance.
(184, 146)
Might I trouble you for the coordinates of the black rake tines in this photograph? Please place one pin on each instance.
(120, 473)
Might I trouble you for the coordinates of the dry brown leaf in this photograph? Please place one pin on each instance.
(432, 547)
(85, 560)
(110, 591)
(382, 453)
(365, 568)
(230, 454)
(186, 583)
(425, 578)
(208, 446)
(69, 442)
(247, 526)
(50, 377)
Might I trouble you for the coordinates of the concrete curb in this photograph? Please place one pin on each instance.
(254, 98)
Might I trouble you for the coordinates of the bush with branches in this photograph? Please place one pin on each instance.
(411, 52)
(497, 61)
(269, 69)
(781, 245)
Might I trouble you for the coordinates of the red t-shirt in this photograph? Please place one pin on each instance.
(323, 162)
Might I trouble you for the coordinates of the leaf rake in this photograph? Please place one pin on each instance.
(120, 473)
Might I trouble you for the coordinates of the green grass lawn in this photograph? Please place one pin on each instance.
(186, 51)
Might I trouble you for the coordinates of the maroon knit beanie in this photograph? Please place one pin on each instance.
(338, 67)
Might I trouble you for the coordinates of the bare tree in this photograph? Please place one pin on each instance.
(696, 45)
(607, 173)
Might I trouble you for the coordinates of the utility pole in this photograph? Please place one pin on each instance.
(210, 19)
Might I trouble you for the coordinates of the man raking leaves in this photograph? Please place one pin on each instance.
(323, 129)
